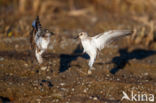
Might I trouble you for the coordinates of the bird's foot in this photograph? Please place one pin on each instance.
(90, 70)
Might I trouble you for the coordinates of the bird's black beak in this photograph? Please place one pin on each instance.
(76, 37)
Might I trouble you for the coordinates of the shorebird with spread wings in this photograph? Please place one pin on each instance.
(92, 45)
(39, 39)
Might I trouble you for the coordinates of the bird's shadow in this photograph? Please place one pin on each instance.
(66, 59)
(5, 99)
(125, 56)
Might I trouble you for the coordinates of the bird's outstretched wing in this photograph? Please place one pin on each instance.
(103, 39)
(36, 24)
(36, 27)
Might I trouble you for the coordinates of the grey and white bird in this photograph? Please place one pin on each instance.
(39, 39)
(92, 45)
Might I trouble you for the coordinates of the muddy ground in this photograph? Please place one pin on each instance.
(63, 78)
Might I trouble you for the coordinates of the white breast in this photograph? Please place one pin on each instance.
(87, 45)
(42, 43)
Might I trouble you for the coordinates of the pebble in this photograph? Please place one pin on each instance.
(38, 100)
(64, 89)
(26, 65)
(85, 90)
(57, 100)
(107, 75)
(10, 74)
(10, 83)
(94, 19)
(16, 46)
(48, 77)
(73, 89)
(35, 88)
(145, 74)
(1, 58)
(57, 95)
(118, 79)
(95, 98)
(90, 97)
(62, 84)
(43, 68)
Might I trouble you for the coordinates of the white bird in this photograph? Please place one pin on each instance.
(92, 45)
(39, 39)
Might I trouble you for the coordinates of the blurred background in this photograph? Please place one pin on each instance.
(93, 16)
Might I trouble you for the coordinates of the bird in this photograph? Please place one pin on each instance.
(39, 39)
(93, 45)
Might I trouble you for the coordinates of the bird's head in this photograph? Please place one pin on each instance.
(47, 33)
(82, 35)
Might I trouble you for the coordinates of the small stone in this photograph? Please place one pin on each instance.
(26, 65)
(35, 88)
(57, 95)
(93, 19)
(10, 74)
(95, 98)
(73, 89)
(62, 84)
(16, 46)
(43, 68)
(107, 75)
(145, 74)
(85, 90)
(48, 77)
(38, 100)
(57, 100)
(1, 58)
(90, 97)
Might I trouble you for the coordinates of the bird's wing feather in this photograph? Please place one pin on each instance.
(36, 24)
(102, 39)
